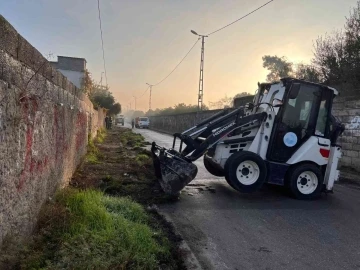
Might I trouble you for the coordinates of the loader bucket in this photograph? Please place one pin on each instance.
(172, 171)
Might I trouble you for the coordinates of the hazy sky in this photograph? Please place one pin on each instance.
(145, 39)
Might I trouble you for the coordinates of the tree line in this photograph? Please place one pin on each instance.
(335, 61)
(100, 95)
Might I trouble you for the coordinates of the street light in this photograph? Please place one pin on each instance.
(135, 102)
(201, 79)
(150, 95)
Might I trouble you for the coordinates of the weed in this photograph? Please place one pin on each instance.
(101, 232)
(93, 155)
(91, 158)
(133, 140)
(100, 135)
(142, 159)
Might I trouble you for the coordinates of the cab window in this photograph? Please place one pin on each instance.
(322, 119)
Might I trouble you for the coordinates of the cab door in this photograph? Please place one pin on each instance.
(295, 122)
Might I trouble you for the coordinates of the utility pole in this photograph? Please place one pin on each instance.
(150, 95)
(101, 79)
(201, 78)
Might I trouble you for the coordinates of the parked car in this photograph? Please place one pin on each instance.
(143, 122)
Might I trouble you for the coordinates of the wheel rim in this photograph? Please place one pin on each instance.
(307, 182)
(247, 172)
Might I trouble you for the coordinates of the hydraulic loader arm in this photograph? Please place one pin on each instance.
(195, 150)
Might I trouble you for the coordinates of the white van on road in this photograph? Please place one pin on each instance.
(144, 122)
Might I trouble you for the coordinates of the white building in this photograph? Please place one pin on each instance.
(71, 67)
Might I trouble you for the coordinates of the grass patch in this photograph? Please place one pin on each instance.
(93, 154)
(89, 230)
(133, 140)
(101, 135)
(142, 159)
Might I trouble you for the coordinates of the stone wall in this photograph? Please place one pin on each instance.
(347, 109)
(45, 123)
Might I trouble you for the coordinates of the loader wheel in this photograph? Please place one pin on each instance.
(245, 171)
(212, 169)
(305, 181)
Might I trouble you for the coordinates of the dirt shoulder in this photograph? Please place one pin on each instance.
(106, 219)
(122, 167)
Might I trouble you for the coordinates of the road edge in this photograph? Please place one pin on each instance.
(190, 260)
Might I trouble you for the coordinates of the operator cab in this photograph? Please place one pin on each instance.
(303, 109)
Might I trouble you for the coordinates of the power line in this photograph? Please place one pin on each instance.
(102, 43)
(173, 69)
(139, 96)
(241, 18)
(178, 63)
(144, 92)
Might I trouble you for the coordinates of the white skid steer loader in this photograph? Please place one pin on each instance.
(287, 136)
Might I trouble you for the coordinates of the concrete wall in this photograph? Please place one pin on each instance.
(76, 77)
(72, 68)
(178, 122)
(45, 123)
(347, 109)
(71, 63)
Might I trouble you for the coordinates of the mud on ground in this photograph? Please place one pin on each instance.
(123, 167)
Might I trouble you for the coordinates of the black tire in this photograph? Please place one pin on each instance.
(226, 169)
(211, 169)
(301, 181)
(252, 175)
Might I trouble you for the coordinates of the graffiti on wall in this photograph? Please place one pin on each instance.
(33, 162)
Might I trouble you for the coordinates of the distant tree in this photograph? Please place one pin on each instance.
(102, 97)
(222, 103)
(227, 102)
(351, 70)
(176, 109)
(115, 109)
(242, 94)
(152, 112)
(279, 67)
(308, 73)
(329, 58)
(133, 114)
(138, 114)
(337, 56)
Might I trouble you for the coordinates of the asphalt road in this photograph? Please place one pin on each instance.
(266, 230)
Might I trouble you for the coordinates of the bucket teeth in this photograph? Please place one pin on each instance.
(172, 171)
